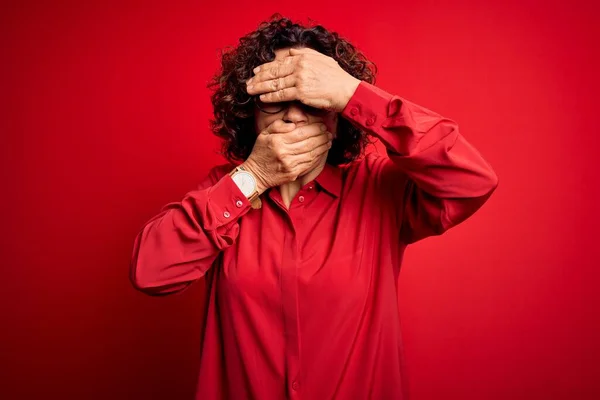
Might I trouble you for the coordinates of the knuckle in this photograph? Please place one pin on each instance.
(287, 168)
(275, 144)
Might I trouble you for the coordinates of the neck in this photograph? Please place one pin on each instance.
(290, 190)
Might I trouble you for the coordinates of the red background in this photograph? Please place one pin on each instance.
(105, 119)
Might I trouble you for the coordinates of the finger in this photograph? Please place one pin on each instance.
(279, 126)
(265, 66)
(310, 144)
(313, 155)
(287, 94)
(278, 70)
(305, 132)
(272, 85)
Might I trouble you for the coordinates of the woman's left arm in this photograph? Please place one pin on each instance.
(438, 178)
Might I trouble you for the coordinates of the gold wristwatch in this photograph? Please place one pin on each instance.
(247, 184)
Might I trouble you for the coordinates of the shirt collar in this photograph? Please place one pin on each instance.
(330, 179)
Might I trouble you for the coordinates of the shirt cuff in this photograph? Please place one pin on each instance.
(226, 201)
(368, 107)
(382, 114)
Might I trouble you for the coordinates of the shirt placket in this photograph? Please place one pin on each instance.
(289, 286)
(290, 264)
(289, 278)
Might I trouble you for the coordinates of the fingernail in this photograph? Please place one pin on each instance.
(330, 136)
(249, 81)
(323, 127)
(255, 70)
(250, 87)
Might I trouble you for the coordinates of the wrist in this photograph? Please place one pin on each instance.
(253, 170)
(348, 92)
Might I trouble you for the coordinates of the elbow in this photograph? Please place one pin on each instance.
(492, 178)
(146, 279)
(139, 276)
(152, 287)
(140, 279)
(144, 271)
(456, 211)
(493, 181)
(483, 184)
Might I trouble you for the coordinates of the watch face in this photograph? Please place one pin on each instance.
(245, 182)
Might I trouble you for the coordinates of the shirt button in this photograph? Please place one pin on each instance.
(295, 385)
(226, 214)
(354, 111)
(310, 188)
(370, 121)
(301, 199)
(239, 203)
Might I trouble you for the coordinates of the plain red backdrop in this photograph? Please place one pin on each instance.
(105, 119)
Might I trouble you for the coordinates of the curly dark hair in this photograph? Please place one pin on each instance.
(234, 112)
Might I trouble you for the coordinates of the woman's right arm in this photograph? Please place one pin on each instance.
(178, 246)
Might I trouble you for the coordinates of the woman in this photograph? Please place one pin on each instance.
(300, 239)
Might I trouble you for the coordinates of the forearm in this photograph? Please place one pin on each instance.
(445, 178)
(179, 245)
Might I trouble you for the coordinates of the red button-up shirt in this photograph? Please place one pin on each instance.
(302, 302)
